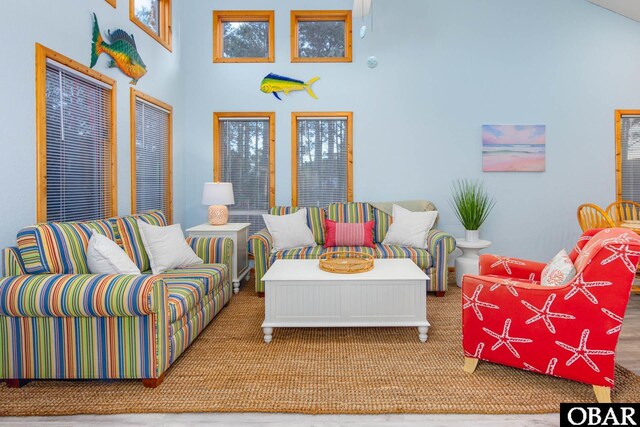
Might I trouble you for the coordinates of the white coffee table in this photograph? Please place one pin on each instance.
(299, 294)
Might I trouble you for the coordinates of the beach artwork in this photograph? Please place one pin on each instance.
(513, 148)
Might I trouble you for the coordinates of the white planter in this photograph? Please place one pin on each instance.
(472, 235)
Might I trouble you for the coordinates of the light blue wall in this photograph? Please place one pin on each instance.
(65, 26)
(446, 68)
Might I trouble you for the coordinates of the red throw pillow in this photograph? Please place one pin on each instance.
(348, 233)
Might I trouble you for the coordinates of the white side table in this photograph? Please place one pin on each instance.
(467, 263)
(238, 232)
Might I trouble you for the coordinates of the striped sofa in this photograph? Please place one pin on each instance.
(58, 321)
(433, 261)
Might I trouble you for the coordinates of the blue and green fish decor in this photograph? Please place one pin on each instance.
(274, 83)
(121, 47)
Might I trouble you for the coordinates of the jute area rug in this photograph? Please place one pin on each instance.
(319, 371)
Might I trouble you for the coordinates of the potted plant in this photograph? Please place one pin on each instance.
(471, 204)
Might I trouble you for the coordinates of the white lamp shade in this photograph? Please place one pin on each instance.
(361, 8)
(217, 193)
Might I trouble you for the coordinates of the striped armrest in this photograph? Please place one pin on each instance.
(79, 295)
(260, 245)
(213, 250)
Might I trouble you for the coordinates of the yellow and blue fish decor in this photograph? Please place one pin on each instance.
(274, 83)
(121, 47)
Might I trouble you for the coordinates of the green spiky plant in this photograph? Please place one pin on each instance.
(471, 203)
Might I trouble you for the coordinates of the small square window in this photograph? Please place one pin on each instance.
(154, 17)
(243, 36)
(321, 36)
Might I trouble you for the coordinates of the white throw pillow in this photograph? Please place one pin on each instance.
(104, 256)
(289, 231)
(410, 228)
(559, 271)
(166, 247)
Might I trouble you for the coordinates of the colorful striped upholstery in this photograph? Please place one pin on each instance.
(129, 235)
(310, 252)
(11, 263)
(76, 295)
(58, 247)
(315, 219)
(117, 346)
(212, 276)
(361, 249)
(439, 244)
(420, 256)
(382, 221)
(350, 212)
(434, 260)
(213, 250)
(184, 295)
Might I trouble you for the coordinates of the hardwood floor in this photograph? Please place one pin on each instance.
(628, 355)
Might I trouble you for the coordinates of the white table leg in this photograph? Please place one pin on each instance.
(268, 334)
(422, 333)
(236, 286)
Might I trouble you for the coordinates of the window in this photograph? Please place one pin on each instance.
(112, 2)
(243, 36)
(321, 36)
(154, 17)
(322, 158)
(151, 137)
(628, 155)
(75, 130)
(243, 154)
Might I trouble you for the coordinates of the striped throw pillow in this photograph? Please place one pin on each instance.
(349, 233)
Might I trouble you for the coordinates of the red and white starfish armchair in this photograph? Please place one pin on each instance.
(568, 331)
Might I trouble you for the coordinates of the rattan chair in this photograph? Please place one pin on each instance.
(624, 210)
(592, 216)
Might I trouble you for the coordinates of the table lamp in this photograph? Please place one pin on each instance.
(217, 195)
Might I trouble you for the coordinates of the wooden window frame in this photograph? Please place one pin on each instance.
(42, 54)
(135, 94)
(294, 149)
(217, 157)
(222, 16)
(166, 32)
(112, 3)
(618, 125)
(321, 15)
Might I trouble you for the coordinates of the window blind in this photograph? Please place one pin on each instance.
(630, 154)
(322, 161)
(152, 158)
(78, 146)
(244, 152)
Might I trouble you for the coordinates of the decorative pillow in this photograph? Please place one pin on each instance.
(559, 271)
(289, 231)
(410, 228)
(127, 235)
(166, 247)
(348, 233)
(104, 256)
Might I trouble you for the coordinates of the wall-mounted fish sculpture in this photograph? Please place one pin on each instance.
(121, 47)
(274, 83)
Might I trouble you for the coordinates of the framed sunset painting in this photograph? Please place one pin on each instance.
(513, 148)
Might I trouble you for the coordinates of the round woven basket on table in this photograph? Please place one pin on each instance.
(345, 262)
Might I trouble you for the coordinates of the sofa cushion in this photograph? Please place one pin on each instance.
(212, 276)
(315, 219)
(310, 252)
(360, 249)
(128, 235)
(349, 212)
(420, 256)
(184, 295)
(59, 247)
(382, 222)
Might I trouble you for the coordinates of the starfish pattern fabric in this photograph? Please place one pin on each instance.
(568, 331)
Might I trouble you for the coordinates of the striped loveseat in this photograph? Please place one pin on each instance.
(57, 321)
(434, 260)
